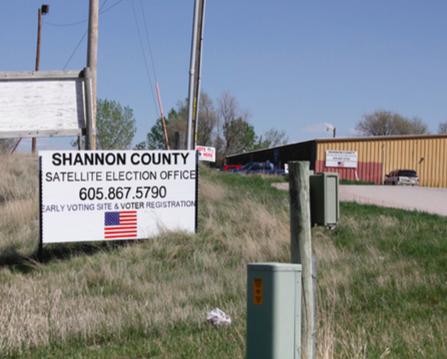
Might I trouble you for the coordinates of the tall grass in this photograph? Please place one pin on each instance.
(381, 279)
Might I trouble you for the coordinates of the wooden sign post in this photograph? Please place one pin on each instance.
(301, 248)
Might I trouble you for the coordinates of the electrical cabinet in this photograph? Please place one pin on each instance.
(273, 311)
(324, 202)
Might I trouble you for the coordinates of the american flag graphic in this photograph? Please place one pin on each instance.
(120, 225)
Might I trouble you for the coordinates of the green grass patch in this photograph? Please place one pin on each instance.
(355, 182)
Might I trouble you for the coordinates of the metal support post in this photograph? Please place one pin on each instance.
(43, 10)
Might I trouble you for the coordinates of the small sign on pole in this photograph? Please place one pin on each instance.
(206, 153)
(116, 195)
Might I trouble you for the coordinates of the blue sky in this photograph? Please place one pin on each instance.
(292, 65)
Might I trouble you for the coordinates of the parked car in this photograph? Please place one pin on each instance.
(230, 168)
(402, 177)
(260, 168)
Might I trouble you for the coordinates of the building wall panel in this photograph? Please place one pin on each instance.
(366, 171)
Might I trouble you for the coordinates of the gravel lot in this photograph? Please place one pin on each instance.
(431, 200)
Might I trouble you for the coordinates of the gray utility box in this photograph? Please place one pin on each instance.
(273, 311)
(324, 203)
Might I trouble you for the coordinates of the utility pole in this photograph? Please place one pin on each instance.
(43, 10)
(92, 59)
(162, 118)
(198, 78)
(188, 142)
(193, 72)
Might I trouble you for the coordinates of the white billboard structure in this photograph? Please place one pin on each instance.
(37, 104)
(116, 195)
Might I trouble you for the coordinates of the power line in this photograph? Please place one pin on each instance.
(65, 24)
(85, 32)
(146, 66)
(110, 7)
(85, 20)
(145, 22)
(74, 50)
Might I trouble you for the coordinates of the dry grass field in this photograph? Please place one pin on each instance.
(382, 278)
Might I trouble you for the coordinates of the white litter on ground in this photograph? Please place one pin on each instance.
(218, 317)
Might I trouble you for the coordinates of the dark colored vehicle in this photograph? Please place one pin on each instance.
(402, 177)
(266, 168)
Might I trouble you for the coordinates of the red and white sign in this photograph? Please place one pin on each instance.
(206, 153)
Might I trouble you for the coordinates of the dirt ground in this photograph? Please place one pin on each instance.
(431, 200)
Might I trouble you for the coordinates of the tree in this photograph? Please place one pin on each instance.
(226, 128)
(272, 138)
(115, 125)
(219, 144)
(384, 123)
(208, 121)
(442, 128)
(154, 139)
(238, 134)
(176, 125)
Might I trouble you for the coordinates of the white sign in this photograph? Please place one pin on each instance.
(345, 159)
(41, 105)
(206, 153)
(116, 195)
